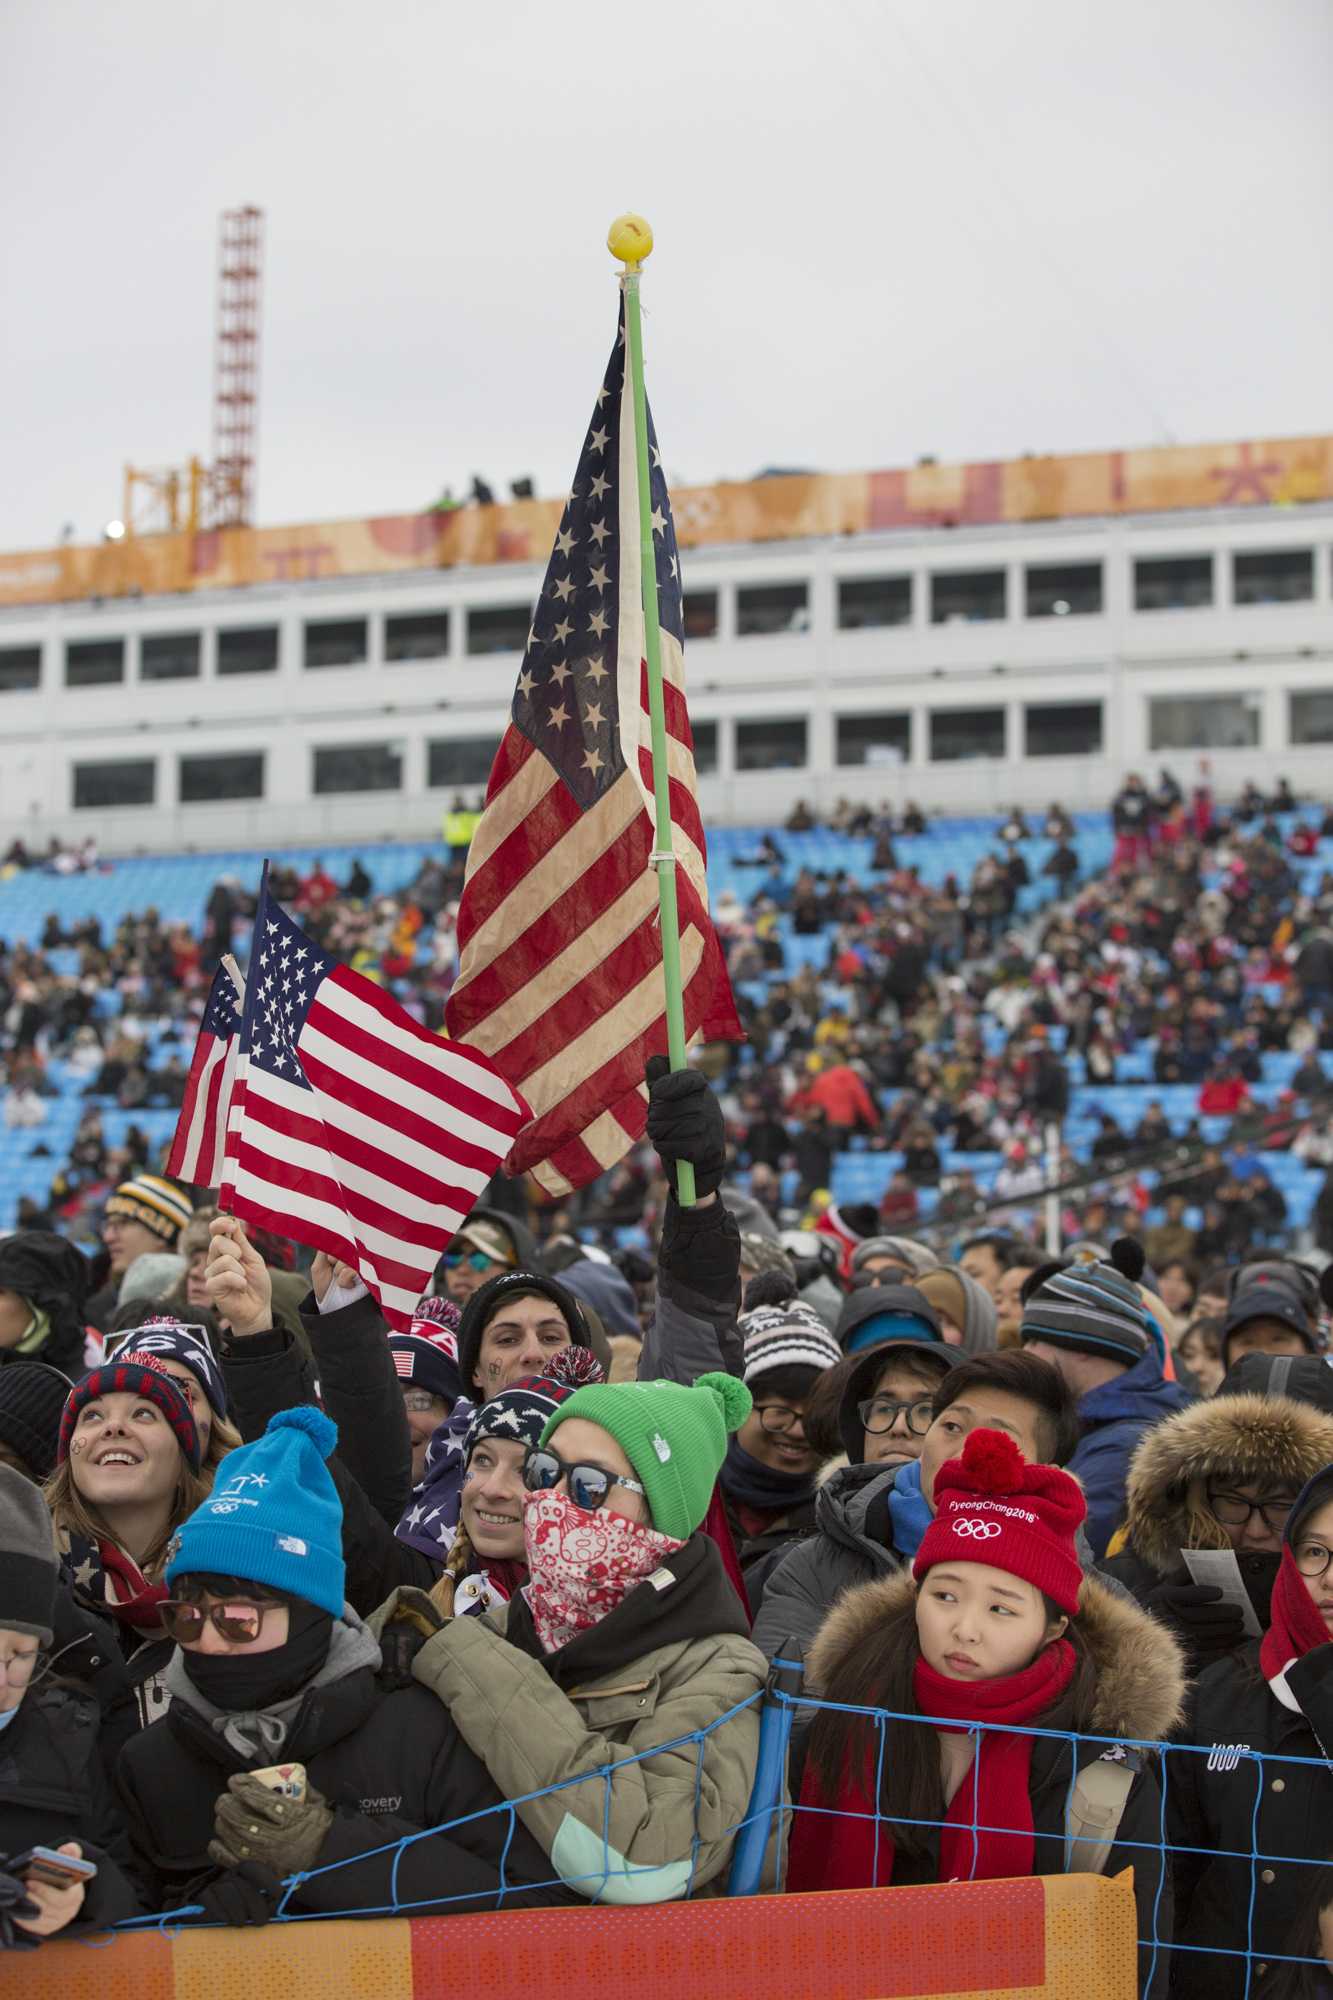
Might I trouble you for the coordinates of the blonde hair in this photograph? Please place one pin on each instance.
(72, 1514)
(460, 1555)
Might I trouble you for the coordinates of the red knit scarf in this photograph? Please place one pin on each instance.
(1296, 1626)
(987, 1831)
(137, 1599)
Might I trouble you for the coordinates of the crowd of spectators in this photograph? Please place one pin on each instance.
(541, 1546)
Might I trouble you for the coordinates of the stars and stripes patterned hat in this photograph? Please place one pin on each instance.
(521, 1412)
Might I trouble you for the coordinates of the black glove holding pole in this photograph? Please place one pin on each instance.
(685, 1122)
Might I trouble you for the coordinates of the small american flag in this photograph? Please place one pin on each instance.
(197, 1149)
(353, 1129)
(560, 973)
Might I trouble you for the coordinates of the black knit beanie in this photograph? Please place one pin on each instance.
(32, 1397)
(486, 1301)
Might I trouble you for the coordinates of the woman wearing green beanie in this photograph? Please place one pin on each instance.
(625, 1649)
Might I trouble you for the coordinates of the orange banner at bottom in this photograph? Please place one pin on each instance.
(1058, 1937)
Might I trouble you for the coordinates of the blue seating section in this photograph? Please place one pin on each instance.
(177, 886)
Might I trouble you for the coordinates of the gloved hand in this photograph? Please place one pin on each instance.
(15, 1902)
(1195, 1613)
(685, 1122)
(246, 1894)
(251, 1823)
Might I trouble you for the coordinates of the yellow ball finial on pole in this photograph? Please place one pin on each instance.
(630, 239)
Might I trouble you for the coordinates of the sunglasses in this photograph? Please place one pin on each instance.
(589, 1485)
(478, 1259)
(239, 1624)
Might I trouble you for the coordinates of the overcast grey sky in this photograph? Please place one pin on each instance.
(884, 228)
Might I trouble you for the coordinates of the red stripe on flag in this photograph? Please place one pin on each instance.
(516, 856)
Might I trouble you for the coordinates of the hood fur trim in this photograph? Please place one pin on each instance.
(1140, 1691)
(1236, 1438)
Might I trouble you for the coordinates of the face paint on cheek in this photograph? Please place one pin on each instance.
(77, 1444)
(493, 1370)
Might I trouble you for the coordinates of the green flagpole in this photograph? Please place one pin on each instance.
(630, 238)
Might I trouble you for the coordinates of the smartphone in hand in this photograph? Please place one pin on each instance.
(46, 1864)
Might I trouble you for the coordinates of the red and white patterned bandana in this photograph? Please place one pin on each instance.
(581, 1565)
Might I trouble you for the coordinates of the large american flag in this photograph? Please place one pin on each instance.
(353, 1129)
(197, 1149)
(560, 970)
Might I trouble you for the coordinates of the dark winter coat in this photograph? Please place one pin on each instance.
(391, 1764)
(853, 1544)
(53, 1789)
(1249, 1835)
(1138, 1697)
(1114, 1417)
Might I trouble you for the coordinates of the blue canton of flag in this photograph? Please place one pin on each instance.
(570, 692)
(281, 981)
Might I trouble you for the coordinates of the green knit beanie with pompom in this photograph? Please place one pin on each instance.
(674, 1437)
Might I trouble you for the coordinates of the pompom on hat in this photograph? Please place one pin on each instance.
(994, 1507)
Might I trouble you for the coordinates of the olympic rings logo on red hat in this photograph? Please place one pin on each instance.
(980, 1531)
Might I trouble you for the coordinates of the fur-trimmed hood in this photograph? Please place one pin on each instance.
(1236, 1438)
(1140, 1691)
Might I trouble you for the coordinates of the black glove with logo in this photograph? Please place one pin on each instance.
(249, 1893)
(1195, 1614)
(685, 1122)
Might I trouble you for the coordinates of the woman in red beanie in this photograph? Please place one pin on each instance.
(995, 1631)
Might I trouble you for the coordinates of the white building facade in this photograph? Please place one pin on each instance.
(968, 668)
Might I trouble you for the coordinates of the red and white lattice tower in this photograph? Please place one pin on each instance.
(237, 390)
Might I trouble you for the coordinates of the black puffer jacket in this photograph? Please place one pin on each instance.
(53, 1789)
(52, 1275)
(1249, 1835)
(391, 1764)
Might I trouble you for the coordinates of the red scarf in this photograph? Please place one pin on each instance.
(852, 1851)
(1296, 1626)
(137, 1599)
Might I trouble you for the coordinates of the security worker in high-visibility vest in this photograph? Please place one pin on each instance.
(459, 826)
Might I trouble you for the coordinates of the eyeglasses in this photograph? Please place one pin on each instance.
(20, 1668)
(777, 1419)
(1233, 1510)
(881, 1414)
(239, 1624)
(477, 1260)
(418, 1402)
(1312, 1558)
(589, 1485)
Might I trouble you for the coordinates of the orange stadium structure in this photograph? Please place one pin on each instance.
(786, 507)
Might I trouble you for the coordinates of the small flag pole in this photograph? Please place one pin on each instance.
(631, 239)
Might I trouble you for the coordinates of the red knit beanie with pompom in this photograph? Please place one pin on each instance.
(994, 1507)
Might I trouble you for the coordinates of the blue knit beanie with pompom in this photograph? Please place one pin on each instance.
(274, 1515)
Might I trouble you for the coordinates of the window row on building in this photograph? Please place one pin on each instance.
(957, 596)
(256, 649)
(781, 743)
(977, 596)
